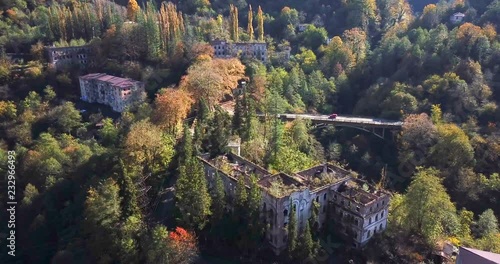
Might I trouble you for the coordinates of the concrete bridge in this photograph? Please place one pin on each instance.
(377, 126)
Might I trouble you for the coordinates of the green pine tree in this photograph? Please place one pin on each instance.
(255, 227)
(191, 192)
(220, 132)
(276, 141)
(128, 191)
(102, 214)
(306, 246)
(203, 114)
(186, 148)
(238, 116)
(219, 198)
(198, 136)
(201, 126)
(292, 234)
(241, 195)
(250, 119)
(314, 217)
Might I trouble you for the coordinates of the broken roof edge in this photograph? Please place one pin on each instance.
(329, 165)
(220, 172)
(327, 185)
(285, 194)
(374, 197)
(113, 80)
(248, 161)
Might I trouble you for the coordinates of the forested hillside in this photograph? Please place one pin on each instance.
(94, 186)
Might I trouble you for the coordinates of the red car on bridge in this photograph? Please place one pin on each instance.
(332, 116)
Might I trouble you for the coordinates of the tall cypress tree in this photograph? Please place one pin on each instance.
(241, 195)
(240, 215)
(234, 22)
(191, 192)
(238, 116)
(306, 246)
(276, 141)
(292, 234)
(255, 227)
(128, 191)
(152, 30)
(314, 217)
(260, 25)
(249, 127)
(200, 130)
(250, 23)
(203, 113)
(231, 19)
(219, 198)
(186, 148)
(221, 130)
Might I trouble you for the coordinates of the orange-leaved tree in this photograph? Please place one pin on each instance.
(132, 10)
(171, 107)
(213, 79)
(183, 244)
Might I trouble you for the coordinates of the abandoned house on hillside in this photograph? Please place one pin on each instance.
(359, 210)
(225, 49)
(60, 57)
(119, 93)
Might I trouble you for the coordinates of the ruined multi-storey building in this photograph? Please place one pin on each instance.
(356, 209)
(119, 93)
(61, 57)
(225, 49)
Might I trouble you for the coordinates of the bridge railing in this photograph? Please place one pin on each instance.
(372, 122)
(345, 118)
(369, 122)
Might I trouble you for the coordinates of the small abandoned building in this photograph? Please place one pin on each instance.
(225, 49)
(119, 93)
(359, 210)
(457, 18)
(302, 27)
(66, 56)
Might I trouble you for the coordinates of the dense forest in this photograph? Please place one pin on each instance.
(91, 185)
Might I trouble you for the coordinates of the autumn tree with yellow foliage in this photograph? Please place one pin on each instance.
(260, 25)
(250, 23)
(338, 57)
(146, 145)
(233, 13)
(132, 10)
(171, 108)
(213, 79)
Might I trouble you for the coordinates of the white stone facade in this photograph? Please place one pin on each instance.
(119, 93)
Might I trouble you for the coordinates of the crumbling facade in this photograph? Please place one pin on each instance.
(119, 93)
(354, 207)
(66, 56)
(224, 49)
